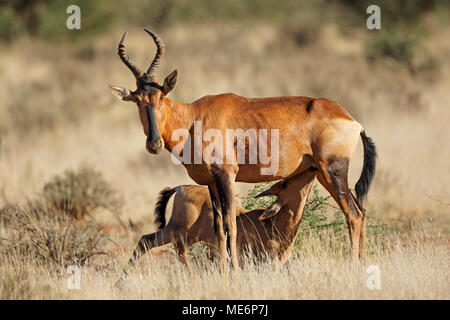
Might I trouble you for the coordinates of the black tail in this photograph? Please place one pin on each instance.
(161, 204)
(368, 171)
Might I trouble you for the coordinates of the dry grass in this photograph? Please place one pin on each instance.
(57, 113)
(418, 271)
(47, 237)
(412, 268)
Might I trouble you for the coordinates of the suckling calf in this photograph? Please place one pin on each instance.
(261, 233)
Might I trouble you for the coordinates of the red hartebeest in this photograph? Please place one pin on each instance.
(261, 233)
(311, 132)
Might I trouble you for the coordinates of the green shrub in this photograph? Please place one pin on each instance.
(249, 202)
(314, 212)
(79, 193)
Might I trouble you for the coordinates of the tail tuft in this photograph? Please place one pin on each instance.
(369, 166)
(161, 204)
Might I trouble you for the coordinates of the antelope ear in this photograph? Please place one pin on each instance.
(121, 93)
(170, 81)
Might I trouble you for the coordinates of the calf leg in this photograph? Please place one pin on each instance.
(147, 242)
(152, 240)
(182, 253)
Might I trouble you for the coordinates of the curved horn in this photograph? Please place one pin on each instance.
(160, 47)
(126, 59)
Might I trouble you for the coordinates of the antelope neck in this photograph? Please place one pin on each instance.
(178, 116)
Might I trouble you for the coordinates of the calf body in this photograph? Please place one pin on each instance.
(261, 233)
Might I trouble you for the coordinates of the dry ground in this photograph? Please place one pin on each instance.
(56, 112)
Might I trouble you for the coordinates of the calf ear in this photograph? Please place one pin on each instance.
(170, 81)
(264, 193)
(121, 93)
(271, 211)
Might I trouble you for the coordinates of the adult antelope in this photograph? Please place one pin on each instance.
(311, 132)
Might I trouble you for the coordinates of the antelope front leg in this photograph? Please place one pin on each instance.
(228, 203)
(221, 249)
(224, 181)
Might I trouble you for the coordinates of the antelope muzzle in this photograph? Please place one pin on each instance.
(154, 147)
(154, 143)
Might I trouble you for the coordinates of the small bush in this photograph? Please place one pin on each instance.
(249, 202)
(79, 193)
(36, 233)
(314, 212)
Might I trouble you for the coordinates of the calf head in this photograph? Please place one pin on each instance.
(289, 191)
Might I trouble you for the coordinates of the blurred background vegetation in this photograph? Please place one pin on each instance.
(302, 20)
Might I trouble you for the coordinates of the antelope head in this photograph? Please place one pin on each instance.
(149, 95)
